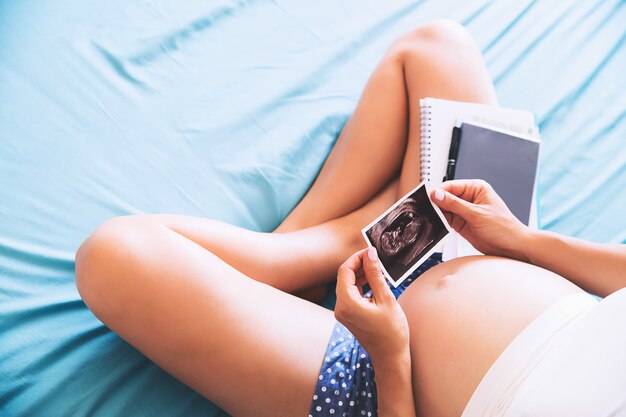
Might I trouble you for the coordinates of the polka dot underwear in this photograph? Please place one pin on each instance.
(346, 385)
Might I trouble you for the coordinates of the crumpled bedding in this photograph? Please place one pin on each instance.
(227, 109)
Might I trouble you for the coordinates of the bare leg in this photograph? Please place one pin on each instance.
(290, 261)
(251, 349)
(462, 315)
(421, 63)
(381, 139)
(254, 350)
(309, 256)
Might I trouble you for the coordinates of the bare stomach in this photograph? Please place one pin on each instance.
(462, 315)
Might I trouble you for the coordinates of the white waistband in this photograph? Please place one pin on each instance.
(497, 389)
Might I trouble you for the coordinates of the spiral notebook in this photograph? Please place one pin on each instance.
(439, 116)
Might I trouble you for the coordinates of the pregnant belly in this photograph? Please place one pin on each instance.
(462, 315)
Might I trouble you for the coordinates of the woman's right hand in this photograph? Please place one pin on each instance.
(378, 322)
(477, 212)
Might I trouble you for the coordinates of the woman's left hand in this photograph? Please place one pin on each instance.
(378, 323)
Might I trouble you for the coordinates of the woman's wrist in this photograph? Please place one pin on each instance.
(393, 349)
(392, 363)
(394, 384)
(523, 241)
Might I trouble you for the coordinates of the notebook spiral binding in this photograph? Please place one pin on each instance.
(425, 122)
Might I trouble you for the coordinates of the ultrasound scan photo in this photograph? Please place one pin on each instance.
(407, 234)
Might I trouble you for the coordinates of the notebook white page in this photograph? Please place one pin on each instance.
(439, 116)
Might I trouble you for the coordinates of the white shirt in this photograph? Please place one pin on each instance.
(584, 373)
(570, 362)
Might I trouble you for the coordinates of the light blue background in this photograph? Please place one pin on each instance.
(227, 109)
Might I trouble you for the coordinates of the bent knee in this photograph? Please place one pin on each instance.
(442, 31)
(439, 34)
(103, 259)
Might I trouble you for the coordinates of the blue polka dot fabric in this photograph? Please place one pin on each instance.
(346, 386)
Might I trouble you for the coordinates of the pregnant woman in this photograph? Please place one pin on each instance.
(212, 304)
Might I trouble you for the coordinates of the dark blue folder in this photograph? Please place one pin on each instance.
(506, 161)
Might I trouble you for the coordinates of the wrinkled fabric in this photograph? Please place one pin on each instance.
(346, 384)
(227, 109)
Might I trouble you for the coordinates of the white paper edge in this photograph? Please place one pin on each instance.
(429, 253)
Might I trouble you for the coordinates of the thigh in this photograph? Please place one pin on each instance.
(462, 315)
(251, 349)
(439, 60)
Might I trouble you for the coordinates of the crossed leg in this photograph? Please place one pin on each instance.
(256, 350)
(187, 293)
(251, 349)
(324, 227)
(381, 139)
(380, 144)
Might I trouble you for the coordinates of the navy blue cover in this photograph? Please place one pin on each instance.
(227, 109)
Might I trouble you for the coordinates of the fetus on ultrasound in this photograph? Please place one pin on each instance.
(406, 233)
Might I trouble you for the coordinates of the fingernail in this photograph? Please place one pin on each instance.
(371, 253)
(439, 194)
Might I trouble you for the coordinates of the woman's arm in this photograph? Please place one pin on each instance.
(380, 325)
(597, 268)
(394, 386)
(475, 210)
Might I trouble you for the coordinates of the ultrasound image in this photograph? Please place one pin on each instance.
(405, 234)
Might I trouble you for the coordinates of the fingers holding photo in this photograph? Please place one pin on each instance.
(406, 234)
(455, 200)
(375, 277)
(350, 280)
(377, 322)
(363, 268)
(477, 212)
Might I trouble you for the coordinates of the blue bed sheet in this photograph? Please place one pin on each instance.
(227, 109)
